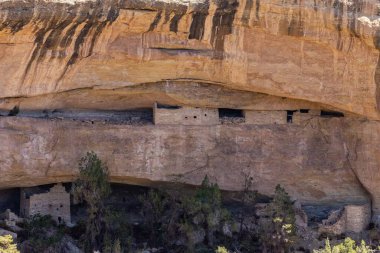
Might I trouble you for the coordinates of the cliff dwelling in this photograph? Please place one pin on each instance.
(54, 201)
(177, 115)
(170, 92)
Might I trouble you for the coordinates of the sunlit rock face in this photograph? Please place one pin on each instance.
(247, 54)
(312, 161)
(321, 51)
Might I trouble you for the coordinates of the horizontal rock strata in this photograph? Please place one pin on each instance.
(243, 54)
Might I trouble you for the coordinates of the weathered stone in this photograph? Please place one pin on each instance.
(55, 202)
(323, 52)
(313, 167)
(7, 232)
(352, 218)
(262, 55)
(11, 220)
(265, 117)
(185, 116)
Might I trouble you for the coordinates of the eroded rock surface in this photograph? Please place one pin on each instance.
(321, 51)
(247, 54)
(310, 161)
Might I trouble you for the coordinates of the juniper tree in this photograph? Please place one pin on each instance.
(93, 188)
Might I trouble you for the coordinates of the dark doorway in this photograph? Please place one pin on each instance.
(230, 113)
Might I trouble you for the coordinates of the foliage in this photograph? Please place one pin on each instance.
(93, 188)
(154, 208)
(282, 207)
(221, 249)
(118, 233)
(204, 212)
(248, 201)
(278, 232)
(347, 246)
(7, 245)
(116, 247)
(42, 233)
(192, 221)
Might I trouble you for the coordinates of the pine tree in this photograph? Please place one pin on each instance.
(93, 188)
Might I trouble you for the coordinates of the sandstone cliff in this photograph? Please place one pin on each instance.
(247, 54)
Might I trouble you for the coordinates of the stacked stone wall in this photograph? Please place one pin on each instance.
(265, 117)
(185, 116)
(55, 203)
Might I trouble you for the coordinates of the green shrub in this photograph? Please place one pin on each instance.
(204, 212)
(93, 188)
(221, 249)
(117, 230)
(7, 245)
(347, 246)
(42, 232)
(277, 233)
(155, 205)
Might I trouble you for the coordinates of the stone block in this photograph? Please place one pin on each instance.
(265, 117)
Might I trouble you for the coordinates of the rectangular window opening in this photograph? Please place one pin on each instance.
(172, 107)
(304, 110)
(231, 113)
(289, 116)
(331, 114)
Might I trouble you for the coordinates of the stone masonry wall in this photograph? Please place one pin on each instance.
(265, 117)
(55, 203)
(185, 116)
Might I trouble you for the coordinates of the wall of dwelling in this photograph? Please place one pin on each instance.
(357, 217)
(265, 117)
(300, 117)
(24, 204)
(352, 218)
(55, 203)
(185, 116)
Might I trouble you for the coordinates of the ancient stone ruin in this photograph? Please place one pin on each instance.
(54, 202)
(172, 90)
(351, 218)
(177, 115)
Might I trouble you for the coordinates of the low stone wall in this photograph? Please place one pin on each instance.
(265, 117)
(305, 117)
(185, 116)
(357, 217)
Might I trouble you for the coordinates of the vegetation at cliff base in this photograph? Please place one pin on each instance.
(93, 188)
(200, 219)
(7, 245)
(347, 246)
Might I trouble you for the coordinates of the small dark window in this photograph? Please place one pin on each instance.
(230, 113)
(186, 117)
(61, 205)
(59, 219)
(304, 110)
(172, 107)
(195, 117)
(330, 114)
(289, 116)
(205, 115)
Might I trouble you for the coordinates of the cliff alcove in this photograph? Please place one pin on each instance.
(301, 77)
